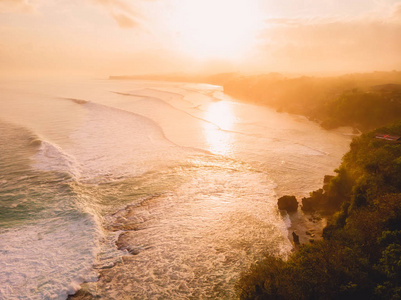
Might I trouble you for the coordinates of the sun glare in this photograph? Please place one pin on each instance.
(217, 28)
(219, 114)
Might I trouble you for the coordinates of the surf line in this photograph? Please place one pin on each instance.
(183, 111)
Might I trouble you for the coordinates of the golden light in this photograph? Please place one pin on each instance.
(221, 114)
(221, 118)
(216, 28)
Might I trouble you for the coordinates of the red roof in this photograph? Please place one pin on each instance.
(388, 137)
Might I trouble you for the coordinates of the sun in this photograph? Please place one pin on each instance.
(216, 28)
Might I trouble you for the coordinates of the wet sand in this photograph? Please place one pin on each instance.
(308, 226)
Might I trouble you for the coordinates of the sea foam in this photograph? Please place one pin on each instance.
(51, 157)
(48, 260)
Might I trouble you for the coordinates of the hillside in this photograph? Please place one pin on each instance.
(359, 256)
(365, 101)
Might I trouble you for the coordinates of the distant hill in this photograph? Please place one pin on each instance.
(365, 101)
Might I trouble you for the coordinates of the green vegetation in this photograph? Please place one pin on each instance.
(365, 110)
(365, 101)
(359, 256)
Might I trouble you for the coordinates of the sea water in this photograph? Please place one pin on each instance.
(198, 173)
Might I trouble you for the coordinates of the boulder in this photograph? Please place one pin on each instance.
(308, 204)
(288, 203)
(295, 238)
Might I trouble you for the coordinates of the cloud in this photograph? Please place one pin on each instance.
(397, 12)
(121, 12)
(334, 44)
(119, 4)
(125, 21)
(20, 6)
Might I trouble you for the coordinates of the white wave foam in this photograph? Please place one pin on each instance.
(201, 235)
(114, 143)
(51, 157)
(48, 260)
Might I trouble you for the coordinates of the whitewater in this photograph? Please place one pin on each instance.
(146, 190)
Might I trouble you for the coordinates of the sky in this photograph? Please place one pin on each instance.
(123, 37)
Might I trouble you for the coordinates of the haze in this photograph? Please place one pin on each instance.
(104, 37)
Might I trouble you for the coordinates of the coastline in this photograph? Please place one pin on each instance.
(307, 226)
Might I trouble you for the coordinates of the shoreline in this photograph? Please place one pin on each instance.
(307, 226)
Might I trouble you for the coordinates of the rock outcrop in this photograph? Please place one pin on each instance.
(288, 203)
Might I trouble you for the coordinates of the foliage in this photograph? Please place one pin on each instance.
(371, 168)
(323, 270)
(360, 254)
(365, 101)
(366, 110)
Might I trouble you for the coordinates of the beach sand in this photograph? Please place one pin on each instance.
(308, 226)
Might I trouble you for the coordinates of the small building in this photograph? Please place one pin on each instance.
(388, 137)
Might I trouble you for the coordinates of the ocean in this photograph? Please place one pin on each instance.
(146, 190)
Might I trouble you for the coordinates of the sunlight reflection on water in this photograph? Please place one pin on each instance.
(221, 115)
